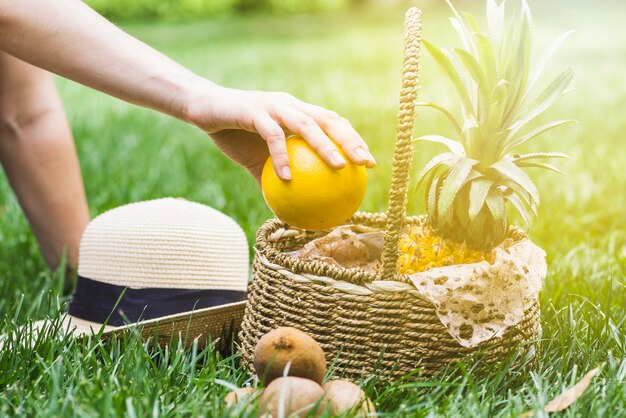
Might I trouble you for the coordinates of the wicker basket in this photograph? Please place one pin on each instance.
(364, 322)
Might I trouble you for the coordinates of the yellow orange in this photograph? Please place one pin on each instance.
(318, 196)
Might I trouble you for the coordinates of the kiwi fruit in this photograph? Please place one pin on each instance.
(293, 396)
(286, 345)
(344, 395)
(240, 394)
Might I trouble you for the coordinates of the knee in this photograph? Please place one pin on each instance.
(23, 112)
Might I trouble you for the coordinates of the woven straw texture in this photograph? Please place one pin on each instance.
(364, 322)
(165, 243)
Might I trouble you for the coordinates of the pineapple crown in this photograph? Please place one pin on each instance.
(467, 188)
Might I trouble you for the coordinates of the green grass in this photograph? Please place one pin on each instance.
(349, 63)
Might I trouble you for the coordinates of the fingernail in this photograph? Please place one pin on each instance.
(362, 154)
(372, 159)
(337, 158)
(286, 173)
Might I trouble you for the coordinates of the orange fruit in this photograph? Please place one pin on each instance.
(317, 196)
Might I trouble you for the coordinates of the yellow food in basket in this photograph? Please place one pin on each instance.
(422, 249)
(318, 196)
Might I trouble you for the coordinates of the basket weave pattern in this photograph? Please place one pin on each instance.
(361, 324)
(364, 322)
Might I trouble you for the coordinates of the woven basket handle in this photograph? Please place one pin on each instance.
(404, 151)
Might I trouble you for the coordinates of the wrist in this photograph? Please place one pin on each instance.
(197, 102)
(184, 89)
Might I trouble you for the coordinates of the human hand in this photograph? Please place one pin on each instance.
(248, 126)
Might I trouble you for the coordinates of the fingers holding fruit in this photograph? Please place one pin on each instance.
(274, 135)
(342, 132)
(307, 127)
(269, 116)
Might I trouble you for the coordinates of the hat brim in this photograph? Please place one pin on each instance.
(213, 323)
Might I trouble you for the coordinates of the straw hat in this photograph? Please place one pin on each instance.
(175, 267)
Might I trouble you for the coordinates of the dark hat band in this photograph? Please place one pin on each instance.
(98, 302)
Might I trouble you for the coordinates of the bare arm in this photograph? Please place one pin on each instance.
(70, 39)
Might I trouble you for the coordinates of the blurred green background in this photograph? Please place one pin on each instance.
(344, 55)
(196, 9)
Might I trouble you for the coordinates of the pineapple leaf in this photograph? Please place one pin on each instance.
(500, 91)
(453, 183)
(495, 19)
(460, 27)
(487, 57)
(473, 175)
(524, 164)
(513, 143)
(468, 193)
(495, 203)
(545, 58)
(513, 187)
(538, 155)
(455, 124)
(515, 174)
(447, 65)
(557, 88)
(454, 146)
(519, 206)
(473, 68)
(433, 192)
(520, 62)
(462, 31)
(447, 158)
(507, 46)
(469, 18)
(478, 192)
(477, 227)
(526, 12)
(553, 91)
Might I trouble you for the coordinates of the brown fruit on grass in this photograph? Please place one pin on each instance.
(238, 395)
(292, 395)
(283, 345)
(345, 395)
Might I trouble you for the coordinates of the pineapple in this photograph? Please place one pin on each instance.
(467, 189)
(421, 249)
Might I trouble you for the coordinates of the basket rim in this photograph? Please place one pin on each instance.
(354, 275)
(265, 246)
